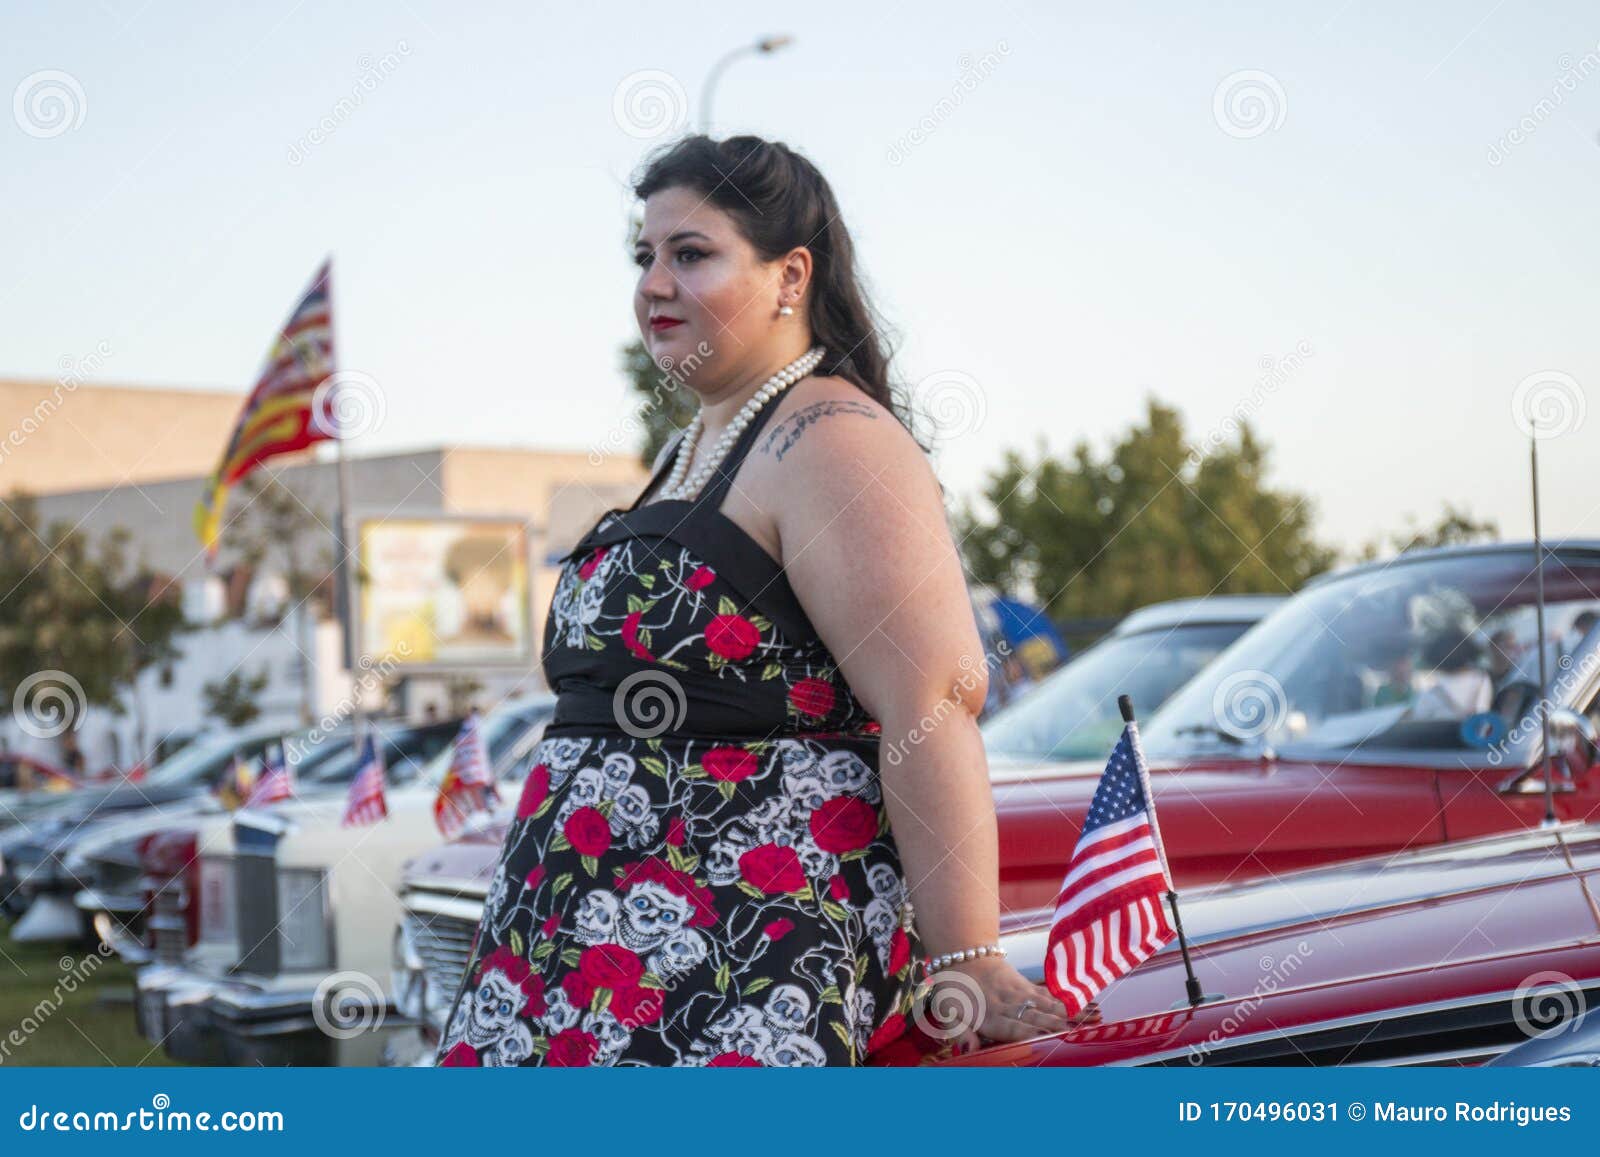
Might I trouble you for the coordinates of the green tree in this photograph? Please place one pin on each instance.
(1094, 536)
(232, 699)
(665, 405)
(1454, 527)
(80, 611)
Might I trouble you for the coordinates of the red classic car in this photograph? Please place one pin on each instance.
(1450, 955)
(1385, 708)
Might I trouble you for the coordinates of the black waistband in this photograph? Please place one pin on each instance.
(652, 711)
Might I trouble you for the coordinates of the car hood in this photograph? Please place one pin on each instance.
(1382, 933)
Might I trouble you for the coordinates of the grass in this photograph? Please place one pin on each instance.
(68, 1005)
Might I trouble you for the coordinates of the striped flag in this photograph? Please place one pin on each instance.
(276, 782)
(284, 412)
(468, 786)
(365, 803)
(236, 783)
(1108, 913)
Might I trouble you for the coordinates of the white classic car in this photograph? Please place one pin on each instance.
(296, 920)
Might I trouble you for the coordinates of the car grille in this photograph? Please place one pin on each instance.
(441, 929)
(444, 943)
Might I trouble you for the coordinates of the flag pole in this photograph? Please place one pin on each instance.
(1191, 984)
(346, 576)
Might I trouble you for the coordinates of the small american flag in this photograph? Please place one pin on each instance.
(276, 782)
(366, 803)
(468, 786)
(1108, 913)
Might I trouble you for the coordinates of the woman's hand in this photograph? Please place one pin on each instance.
(986, 1000)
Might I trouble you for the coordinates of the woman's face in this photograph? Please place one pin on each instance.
(696, 269)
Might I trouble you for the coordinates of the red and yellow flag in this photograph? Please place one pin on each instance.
(288, 410)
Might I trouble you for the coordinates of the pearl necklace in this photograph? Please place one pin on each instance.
(676, 486)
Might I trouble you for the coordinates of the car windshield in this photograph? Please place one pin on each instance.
(1073, 713)
(1432, 655)
(197, 758)
(405, 751)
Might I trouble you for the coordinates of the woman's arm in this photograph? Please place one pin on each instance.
(868, 550)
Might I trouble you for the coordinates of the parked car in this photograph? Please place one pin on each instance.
(25, 780)
(1330, 732)
(1456, 954)
(296, 919)
(104, 863)
(1073, 713)
(30, 850)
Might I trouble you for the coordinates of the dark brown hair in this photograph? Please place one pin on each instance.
(778, 200)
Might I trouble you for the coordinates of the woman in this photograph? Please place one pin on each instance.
(708, 864)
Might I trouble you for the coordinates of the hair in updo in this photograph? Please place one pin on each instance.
(778, 200)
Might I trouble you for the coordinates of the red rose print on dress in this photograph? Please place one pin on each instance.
(732, 636)
(812, 697)
(535, 789)
(772, 868)
(844, 824)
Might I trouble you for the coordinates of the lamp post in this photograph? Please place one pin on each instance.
(765, 46)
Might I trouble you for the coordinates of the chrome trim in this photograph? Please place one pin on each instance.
(459, 908)
(121, 942)
(1376, 1016)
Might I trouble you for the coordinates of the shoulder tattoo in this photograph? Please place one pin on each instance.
(781, 439)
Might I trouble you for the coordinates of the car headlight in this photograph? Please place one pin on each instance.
(410, 979)
(304, 937)
(218, 911)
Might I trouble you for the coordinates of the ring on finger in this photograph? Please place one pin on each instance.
(1022, 1009)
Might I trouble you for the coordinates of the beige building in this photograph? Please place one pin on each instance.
(65, 435)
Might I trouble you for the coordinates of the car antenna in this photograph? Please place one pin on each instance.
(1544, 684)
(1197, 995)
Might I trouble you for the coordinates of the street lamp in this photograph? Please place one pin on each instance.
(766, 45)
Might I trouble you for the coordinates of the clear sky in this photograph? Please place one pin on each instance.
(1121, 200)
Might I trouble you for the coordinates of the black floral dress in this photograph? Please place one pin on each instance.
(700, 870)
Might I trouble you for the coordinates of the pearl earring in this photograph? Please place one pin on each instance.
(785, 311)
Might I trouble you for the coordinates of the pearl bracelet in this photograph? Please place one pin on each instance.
(932, 964)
